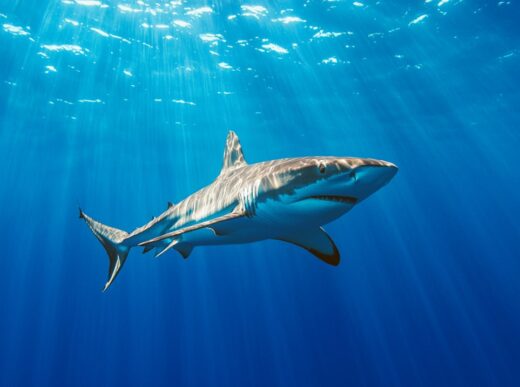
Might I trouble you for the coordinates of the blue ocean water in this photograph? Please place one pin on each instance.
(123, 106)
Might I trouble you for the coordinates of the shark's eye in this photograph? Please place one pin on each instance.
(322, 168)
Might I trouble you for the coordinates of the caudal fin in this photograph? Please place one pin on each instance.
(111, 238)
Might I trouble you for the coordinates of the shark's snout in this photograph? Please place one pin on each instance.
(383, 174)
(380, 169)
(371, 175)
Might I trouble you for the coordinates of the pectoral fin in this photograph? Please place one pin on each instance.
(236, 213)
(317, 242)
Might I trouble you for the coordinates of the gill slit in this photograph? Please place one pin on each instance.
(248, 198)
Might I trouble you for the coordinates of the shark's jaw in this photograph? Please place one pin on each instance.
(335, 198)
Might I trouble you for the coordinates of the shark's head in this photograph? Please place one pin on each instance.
(346, 179)
(334, 183)
(329, 186)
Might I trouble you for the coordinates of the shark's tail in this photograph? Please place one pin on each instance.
(112, 240)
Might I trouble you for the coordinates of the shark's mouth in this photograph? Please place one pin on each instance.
(335, 198)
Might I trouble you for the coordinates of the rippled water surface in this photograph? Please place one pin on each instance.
(121, 107)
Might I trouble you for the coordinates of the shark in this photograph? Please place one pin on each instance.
(288, 199)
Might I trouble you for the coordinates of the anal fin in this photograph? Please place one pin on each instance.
(317, 242)
(184, 249)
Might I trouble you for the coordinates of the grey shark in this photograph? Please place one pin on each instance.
(286, 199)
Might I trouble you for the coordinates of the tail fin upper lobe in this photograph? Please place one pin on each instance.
(111, 238)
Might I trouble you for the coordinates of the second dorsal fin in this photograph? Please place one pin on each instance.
(233, 155)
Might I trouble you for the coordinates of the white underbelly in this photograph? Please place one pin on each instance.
(271, 220)
(306, 213)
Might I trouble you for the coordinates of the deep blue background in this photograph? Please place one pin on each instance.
(428, 290)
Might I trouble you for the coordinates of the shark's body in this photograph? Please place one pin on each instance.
(286, 199)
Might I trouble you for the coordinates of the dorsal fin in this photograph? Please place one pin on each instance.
(170, 204)
(233, 156)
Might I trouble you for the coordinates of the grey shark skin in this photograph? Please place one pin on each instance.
(287, 199)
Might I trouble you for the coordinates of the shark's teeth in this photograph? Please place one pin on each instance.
(335, 198)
